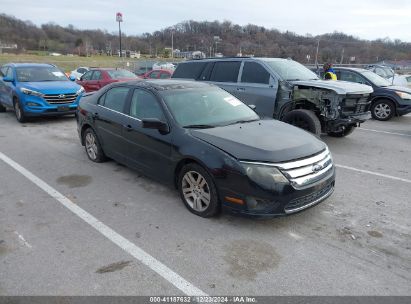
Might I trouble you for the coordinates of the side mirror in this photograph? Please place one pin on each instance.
(72, 78)
(252, 107)
(155, 123)
(8, 79)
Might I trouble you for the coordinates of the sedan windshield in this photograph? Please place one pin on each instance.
(206, 108)
(290, 70)
(118, 74)
(376, 79)
(40, 73)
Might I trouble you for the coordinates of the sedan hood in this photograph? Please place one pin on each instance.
(51, 87)
(338, 86)
(264, 141)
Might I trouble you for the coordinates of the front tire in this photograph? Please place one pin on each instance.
(18, 111)
(383, 110)
(93, 148)
(2, 108)
(343, 132)
(197, 190)
(304, 119)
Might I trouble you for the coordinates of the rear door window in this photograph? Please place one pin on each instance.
(96, 75)
(205, 75)
(115, 99)
(190, 70)
(87, 76)
(351, 77)
(225, 71)
(154, 74)
(165, 75)
(254, 73)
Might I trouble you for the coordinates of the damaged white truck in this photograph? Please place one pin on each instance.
(286, 90)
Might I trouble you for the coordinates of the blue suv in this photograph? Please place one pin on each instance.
(34, 89)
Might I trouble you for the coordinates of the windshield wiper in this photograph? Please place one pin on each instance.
(243, 121)
(199, 126)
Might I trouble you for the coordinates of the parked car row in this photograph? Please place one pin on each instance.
(166, 68)
(96, 78)
(219, 130)
(286, 90)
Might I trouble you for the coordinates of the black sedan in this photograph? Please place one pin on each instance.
(387, 100)
(212, 147)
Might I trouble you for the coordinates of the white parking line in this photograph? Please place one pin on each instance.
(23, 240)
(138, 253)
(375, 173)
(386, 132)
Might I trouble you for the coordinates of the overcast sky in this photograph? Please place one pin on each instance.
(367, 19)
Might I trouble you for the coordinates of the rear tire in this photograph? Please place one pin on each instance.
(304, 119)
(18, 111)
(93, 148)
(197, 190)
(383, 110)
(342, 133)
(2, 108)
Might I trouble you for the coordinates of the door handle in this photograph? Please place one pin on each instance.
(128, 128)
(241, 89)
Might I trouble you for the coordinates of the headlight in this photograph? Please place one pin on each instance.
(80, 91)
(265, 176)
(403, 95)
(31, 92)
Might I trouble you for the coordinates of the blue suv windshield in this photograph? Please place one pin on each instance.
(39, 73)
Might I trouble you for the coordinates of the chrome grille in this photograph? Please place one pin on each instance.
(60, 98)
(305, 172)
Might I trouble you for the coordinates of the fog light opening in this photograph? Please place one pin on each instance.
(234, 200)
(33, 104)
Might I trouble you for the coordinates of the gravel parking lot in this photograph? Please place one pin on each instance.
(110, 231)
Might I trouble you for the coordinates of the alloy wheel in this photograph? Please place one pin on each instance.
(382, 110)
(91, 146)
(196, 191)
(17, 110)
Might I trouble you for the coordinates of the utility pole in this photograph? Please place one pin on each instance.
(172, 43)
(316, 53)
(342, 56)
(217, 40)
(119, 19)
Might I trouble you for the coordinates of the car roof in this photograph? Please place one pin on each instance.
(166, 84)
(104, 69)
(359, 70)
(160, 70)
(28, 64)
(237, 58)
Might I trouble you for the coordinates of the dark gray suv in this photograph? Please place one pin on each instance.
(286, 90)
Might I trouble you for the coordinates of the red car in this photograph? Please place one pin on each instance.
(157, 74)
(97, 78)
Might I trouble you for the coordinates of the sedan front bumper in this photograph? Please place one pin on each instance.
(285, 200)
